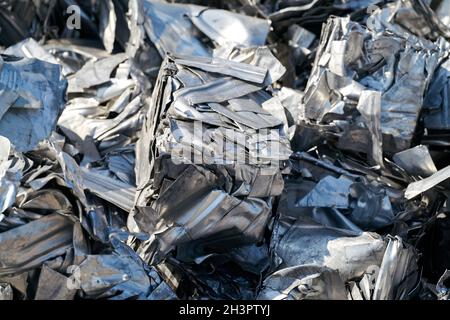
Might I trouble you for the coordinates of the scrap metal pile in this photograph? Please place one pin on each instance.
(225, 149)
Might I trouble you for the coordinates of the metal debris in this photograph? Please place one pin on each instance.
(280, 150)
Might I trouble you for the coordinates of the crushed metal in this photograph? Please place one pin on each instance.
(281, 150)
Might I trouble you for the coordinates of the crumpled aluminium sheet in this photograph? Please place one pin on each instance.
(176, 28)
(62, 236)
(111, 22)
(333, 238)
(383, 77)
(32, 96)
(226, 150)
(209, 200)
(102, 117)
(418, 19)
(44, 237)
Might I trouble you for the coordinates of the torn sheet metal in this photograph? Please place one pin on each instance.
(6, 292)
(303, 283)
(176, 28)
(209, 129)
(39, 240)
(63, 220)
(415, 188)
(339, 198)
(52, 285)
(398, 272)
(104, 113)
(332, 230)
(115, 23)
(44, 234)
(352, 61)
(30, 89)
(109, 189)
(329, 247)
(288, 151)
(416, 161)
(412, 17)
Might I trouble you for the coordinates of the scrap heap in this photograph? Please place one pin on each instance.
(225, 149)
